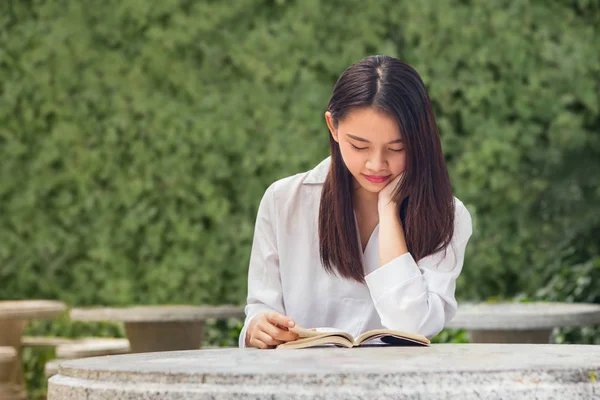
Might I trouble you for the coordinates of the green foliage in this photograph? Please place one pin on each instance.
(451, 336)
(34, 360)
(137, 138)
(516, 96)
(577, 283)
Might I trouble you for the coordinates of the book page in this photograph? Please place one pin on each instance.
(320, 332)
(379, 333)
(317, 341)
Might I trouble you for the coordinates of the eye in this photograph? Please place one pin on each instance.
(358, 148)
(397, 151)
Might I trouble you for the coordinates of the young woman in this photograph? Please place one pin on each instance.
(372, 237)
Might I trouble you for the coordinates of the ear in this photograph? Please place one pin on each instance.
(331, 126)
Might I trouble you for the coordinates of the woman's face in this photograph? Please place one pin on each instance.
(371, 146)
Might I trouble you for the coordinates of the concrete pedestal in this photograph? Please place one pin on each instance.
(164, 336)
(539, 336)
(14, 316)
(8, 389)
(11, 332)
(448, 371)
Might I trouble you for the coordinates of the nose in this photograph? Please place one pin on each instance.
(376, 162)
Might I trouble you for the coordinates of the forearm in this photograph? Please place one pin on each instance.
(417, 298)
(392, 243)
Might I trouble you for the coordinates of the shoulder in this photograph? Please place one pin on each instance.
(294, 185)
(463, 224)
(296, 193)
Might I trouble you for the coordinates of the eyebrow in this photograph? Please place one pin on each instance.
(366, 141)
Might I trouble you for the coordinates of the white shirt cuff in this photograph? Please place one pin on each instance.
(395, 274)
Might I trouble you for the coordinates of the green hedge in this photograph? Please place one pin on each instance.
(137, 137)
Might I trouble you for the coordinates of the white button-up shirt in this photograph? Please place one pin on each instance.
(286, 275)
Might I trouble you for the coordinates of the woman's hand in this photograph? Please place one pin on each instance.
(392, 242)
(385, 195)
(268, 330)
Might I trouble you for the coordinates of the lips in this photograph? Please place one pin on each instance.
(377, 179)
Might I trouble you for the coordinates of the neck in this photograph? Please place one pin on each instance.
(365, 202)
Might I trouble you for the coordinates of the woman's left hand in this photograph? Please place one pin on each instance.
(385, 195)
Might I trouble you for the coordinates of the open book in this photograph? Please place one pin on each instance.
(330, 336)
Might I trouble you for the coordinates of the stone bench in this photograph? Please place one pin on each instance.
(93, 347)
(45, 341)
(84, 348)
(14, 316)
(8, 355)
(161, 327)
(521, 322)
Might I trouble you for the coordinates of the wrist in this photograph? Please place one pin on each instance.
(249, 330)
(388, 208)
(247, 338)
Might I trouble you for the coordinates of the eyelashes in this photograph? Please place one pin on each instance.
(365, 148)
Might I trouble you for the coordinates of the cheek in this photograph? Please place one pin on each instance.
(351, 159)
(399, 164)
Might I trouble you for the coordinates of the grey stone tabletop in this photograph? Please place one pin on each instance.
(524, 316)
(444, 371)
(157, 313)
(30, 309)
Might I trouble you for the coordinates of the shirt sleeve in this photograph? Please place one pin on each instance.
(264, 282)
(419, 297)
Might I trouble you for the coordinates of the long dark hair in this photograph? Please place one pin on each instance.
(424, 195)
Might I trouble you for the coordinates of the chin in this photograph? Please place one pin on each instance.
(369, 186)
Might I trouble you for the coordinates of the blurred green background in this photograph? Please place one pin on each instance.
(138, 136)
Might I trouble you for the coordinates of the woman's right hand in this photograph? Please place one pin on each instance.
(269, 329)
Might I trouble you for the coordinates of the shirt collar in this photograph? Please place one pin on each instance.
(318, 174)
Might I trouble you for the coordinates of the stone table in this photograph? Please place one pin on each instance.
(521, 322)
(161, 328)
(14, 316)
(442, 371)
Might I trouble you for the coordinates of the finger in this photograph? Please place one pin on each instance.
(286, 336)
(278, 319)
(267, 339)
(277, 333)
(254, 342)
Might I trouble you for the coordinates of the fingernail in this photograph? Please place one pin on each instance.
(291, 324)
